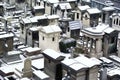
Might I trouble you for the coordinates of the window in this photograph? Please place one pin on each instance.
(29, 33)
(53, 39)
(77, 15)
(43, 38)
(49, 61)
(86, 17)
(117, 21)
(114, 21)
(68, 29)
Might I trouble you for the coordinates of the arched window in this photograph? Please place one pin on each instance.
(117, 21)
(114, 21)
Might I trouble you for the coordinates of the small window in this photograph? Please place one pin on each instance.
(86, 17)
(114, 21)
(29, 33)
(117, 21)
(49, 61)
(77, 15)
(43, 38)
(53, 39)
(68, 29)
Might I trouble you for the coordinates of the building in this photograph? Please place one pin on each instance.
(49, 37)
(100, 41)
(91, 17)
(52, 64)
(80, 68)
(106, 13)
(38, 10)
(81, 10)
(6, 41)
(74, 29)
(63, 9)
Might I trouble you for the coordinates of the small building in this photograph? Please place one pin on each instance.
(1, 9)
(52, 64)
(53, 19)
(106, 13)
(49, 37)
(100, 40)
(33, 36)
(49, 6)
(80, 68)
(73, 3)
(38, 10)
(74, 28)
(115, 21)
(24, 26)
(6, 41)
(63, 8)
(12, 57)
(91, 17)
(81, 10)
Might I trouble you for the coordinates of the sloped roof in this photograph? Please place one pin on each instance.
(75, 25)
(65, 6)
(38, 7)
(82, 8)
(51, 29)
(93, 10)
(110, 8)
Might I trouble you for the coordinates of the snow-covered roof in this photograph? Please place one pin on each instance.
(74, 64)
(113, 72)
(32, 49)
(64, 6)
(87, 0)
(52, 1)
(93, 11)
(41, 75)
(38, 7)
(82, 8)
(52, 53)
(80, 62)
(86, 61)
(106, 60)
(71, 0)
(116, 58)
(38, 63)
(35, 28)
(6, 35)
(33, 20)
(110, 8)
(13, 52)
(100, 29)
(51, 29)
(53, 16)
(26, 20)
(109, 30)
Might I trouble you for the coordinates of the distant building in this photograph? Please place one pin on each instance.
(52, 64)
(91, 17)
(106, 13)
(49, 37)
(80, 11)
(100, 40)
(80, 68)
(38, 10)
(6, 41)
